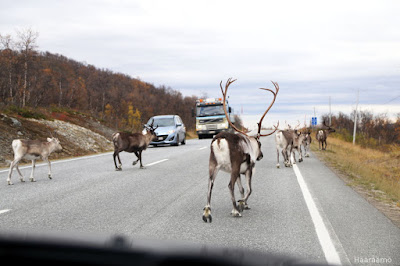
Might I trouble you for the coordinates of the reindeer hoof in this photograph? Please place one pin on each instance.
(50, 177)
(142, 167)
(32, 179)
(118, 169)
(22, 180)
(10, 183)
(236, 214)
(278, 166)
(300, 160)
(241, 205)
(134, 162)
(207, 215)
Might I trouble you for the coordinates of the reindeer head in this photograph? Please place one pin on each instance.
(56, 144)
(255, 141)
(150, 129)
(328, 128)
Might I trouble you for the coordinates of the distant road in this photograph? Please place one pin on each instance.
(305, 211)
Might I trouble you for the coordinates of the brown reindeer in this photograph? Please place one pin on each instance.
(132, 142)
(322, 135)
(235, 154)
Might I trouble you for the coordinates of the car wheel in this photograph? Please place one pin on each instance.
(177, 141)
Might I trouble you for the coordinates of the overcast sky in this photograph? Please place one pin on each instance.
(315, 50)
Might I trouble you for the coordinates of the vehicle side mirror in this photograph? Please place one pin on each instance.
(178, 125)
(192, 112)
(230, 109)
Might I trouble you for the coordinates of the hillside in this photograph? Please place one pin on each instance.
(79, 134)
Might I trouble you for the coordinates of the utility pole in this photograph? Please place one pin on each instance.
(330, 113)
(355, 119)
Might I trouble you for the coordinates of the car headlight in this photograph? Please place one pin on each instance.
(171, 131)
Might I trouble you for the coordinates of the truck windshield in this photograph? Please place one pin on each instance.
(210, 110)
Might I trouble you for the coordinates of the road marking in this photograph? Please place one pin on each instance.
(62, 161)
(331, 255)
(4, 211)
(203, 148)
(160, 161)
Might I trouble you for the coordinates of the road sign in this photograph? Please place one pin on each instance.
(314, 121)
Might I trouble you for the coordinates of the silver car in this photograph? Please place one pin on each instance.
(170, 130)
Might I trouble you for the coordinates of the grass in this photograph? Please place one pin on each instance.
(374, 170)
(191, 134)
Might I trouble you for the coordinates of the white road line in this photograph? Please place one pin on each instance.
(331, 255)
(4, 211)
(62, 161)
(203, 148)
(160, 161)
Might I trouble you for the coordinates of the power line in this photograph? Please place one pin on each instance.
(392, 99)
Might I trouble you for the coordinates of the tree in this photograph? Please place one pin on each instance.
(7, 46)
(134, 118)
(26, 44)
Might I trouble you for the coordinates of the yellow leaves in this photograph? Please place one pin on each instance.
(134, 118)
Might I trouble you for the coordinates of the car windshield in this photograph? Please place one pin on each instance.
(162, 122)
(210, 110)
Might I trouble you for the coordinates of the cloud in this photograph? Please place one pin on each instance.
(313, 49)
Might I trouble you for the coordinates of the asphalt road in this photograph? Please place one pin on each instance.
(306, 211)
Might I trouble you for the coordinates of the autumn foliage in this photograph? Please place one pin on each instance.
(32, 79)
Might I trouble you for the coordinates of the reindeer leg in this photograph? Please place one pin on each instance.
(117, 168)
(140, 158)
(249, 174)
(213, 171)
(137, 155)
(294, 155)
(277, 155)
(235, 174)
(13, 164)
(31, 178)
(285, 156)
(49, 164)
(241, 190)
(300, 155)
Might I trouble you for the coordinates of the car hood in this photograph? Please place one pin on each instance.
(164, 130)
(52, 247)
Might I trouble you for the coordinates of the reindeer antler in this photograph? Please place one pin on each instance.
(224, 93)
(229, 82)
(266, 111)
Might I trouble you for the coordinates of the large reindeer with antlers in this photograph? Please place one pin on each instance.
(235, 153)
(322, 135)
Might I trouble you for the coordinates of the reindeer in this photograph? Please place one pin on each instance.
(235, 154)
(322, 135)
(307, 142)
(132, 142)
(32, 150)
(286, 138)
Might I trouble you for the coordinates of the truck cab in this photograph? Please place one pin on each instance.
(210, 117)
